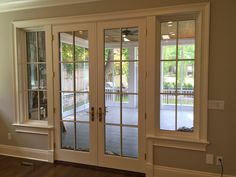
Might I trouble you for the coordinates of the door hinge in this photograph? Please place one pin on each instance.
(54, 110)
(53, 74)
(146, 32)
(146, 74)
(54, 145)
(52, 37)
(145, 156)
(145, 115)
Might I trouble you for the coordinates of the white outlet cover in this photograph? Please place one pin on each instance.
(210, 159)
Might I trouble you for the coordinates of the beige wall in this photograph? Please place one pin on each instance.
(222, 84)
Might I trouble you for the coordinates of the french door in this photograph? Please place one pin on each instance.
(99, 93)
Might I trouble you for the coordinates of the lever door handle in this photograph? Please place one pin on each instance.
(100, 114)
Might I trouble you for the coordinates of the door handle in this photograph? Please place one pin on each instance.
(92, 113)
(100, 114)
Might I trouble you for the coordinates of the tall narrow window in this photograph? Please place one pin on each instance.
(36, 75)
(177, 63)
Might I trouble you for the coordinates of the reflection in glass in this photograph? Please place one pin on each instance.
(186, 77)
(67, 76)
(113, 144)
(186, 40)
(32, 76)
(129, 35)
(112, 77)
(130, 142)
(168, 77)
(42, 76)
(67, 135)
(66, 47)
(130, 109)
(41, 46)
(82, 106)
(33, 105)
(130, 77)
(31, 46)
(81, 46)
(67, 106)
(112, 114)
(43, 105)
(82, 136)
(168, 40)
(185, 113)
(82, 76)
(167, 112)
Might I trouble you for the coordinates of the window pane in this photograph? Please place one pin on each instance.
(130, 110)
(112, 102)
(112, 77)
(167, 112)
(130, 77)
(82, 136)
(130, 141)
(112, 44)
(168, 40)
(31, 47)
(81, 46)
(66, 47)
(82, 76)
(112, 140)
(185, 113)
(68, 135)
(43, 105)
(42, 76)
(67, 77)
(82, 106)
(67, 106)
(33, 105)
(186, 39)
(186, 77)
(168, 77)
(41, 46)
(32, 76)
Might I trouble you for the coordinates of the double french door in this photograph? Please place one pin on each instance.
(99, 93)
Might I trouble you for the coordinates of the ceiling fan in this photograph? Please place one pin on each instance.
(127, 33)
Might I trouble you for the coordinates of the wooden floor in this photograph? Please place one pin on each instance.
(16, 167)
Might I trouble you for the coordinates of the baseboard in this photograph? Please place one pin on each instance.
(163, 171)
(27, 153)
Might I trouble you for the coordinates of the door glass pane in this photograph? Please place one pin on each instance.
(67, 106)
(130, 77)
(67, 77)
(33, 105)
(130, 109)
(42, 76)
(112, 114)
(81, 46)
(66, 47)
(113, 144)
(82, 77)
(82, 136)
(32, 76)
(68, 135)
(168, 77)
(43, 105)
(41, 47)
(31, 47)
(130, 142)
(112, 77)
(82, 106)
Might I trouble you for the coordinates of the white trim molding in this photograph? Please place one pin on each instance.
(27, 153)
(163, 171)
(14, 5)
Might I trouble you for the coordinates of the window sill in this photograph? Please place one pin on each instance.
(33, 127)
(196, 145)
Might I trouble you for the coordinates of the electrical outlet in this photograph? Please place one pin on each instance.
(218, 158)
(210, 159)
(9, 136)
